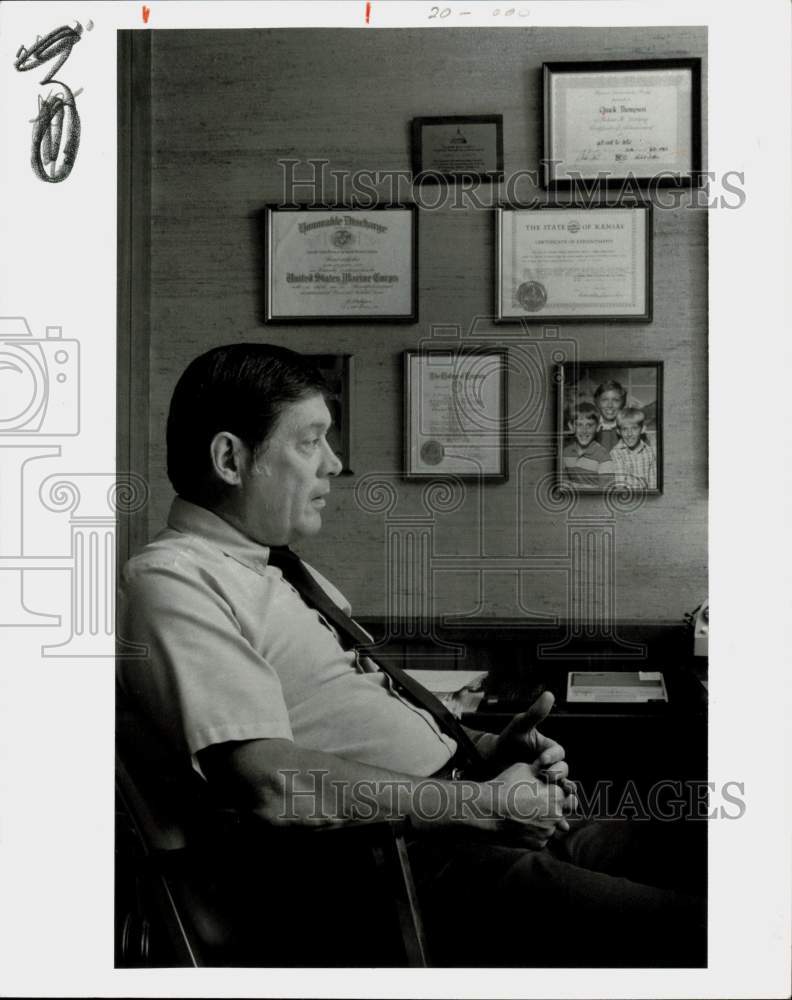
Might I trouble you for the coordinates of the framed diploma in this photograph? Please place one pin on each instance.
(341, 265)
(337, 370)
(455, 414)
(610, 427)
(573, 264)
(457, 147)
(613, 121)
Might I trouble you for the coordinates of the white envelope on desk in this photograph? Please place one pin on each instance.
(614, 686)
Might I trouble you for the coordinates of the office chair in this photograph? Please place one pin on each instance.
(194, 882)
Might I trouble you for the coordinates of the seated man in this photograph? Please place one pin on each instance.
(250, 673)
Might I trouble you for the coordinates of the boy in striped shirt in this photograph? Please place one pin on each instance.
(586, 463)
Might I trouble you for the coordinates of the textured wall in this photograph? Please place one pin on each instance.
(226, 105)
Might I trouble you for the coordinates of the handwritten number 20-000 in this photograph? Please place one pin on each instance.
(497, 12)
(56, 127)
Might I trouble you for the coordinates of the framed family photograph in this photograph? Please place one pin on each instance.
(573, 264)
(455, 408)
(630, 119)
(610, 426)
(453, 148)
(342, 265)
(338, 372)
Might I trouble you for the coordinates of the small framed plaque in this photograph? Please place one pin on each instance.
(573, 264)
(455, 414)
(342, 265)
(634, 120)
(337, 370)
(457, 147)
(610, 426)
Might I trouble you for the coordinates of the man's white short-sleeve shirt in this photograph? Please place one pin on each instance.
(228, 650)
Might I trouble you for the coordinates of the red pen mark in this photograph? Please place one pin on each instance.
(146, 12)
(368, 11)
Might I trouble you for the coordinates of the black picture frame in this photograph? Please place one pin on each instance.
(455, 414)
(675, 153)
(321, 270)
(582, 390)
(338, 372)
(430, 167)
(522, 293)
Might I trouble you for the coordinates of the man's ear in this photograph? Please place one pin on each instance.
(229, 457)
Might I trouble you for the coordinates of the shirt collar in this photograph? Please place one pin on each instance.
(191, 519)
(638, 448)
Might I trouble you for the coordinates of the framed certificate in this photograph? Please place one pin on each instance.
(341, 265)
(573, 264)
(610, 426)
(455, 414)
(613, 121)
(457, 147)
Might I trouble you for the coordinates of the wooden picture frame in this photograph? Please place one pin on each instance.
(341, 265)
(454, 148)
(612, 121)
(455, 414)
(572, 264)
(610, 426)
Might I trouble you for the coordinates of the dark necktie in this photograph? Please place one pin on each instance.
(353, 636)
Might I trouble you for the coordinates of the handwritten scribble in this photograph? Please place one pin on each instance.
(56, 127)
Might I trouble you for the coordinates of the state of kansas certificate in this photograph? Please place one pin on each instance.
(341, 264)
(573, 264)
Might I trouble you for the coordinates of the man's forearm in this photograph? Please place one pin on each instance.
(289, 785)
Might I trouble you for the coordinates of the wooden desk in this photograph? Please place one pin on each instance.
(617, 743)
(623, 744)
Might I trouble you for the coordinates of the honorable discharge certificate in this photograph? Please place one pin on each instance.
(572, 263)
(340, 264)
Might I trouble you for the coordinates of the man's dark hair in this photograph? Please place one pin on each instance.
(239, 388)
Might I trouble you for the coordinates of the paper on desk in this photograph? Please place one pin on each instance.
(448, 681)
(458, 690)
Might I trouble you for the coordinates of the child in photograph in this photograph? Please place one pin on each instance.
(633, 457)
(610, 399)
(586, 463)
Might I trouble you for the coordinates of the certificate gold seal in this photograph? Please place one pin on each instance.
(532, 295)
(432, 453)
